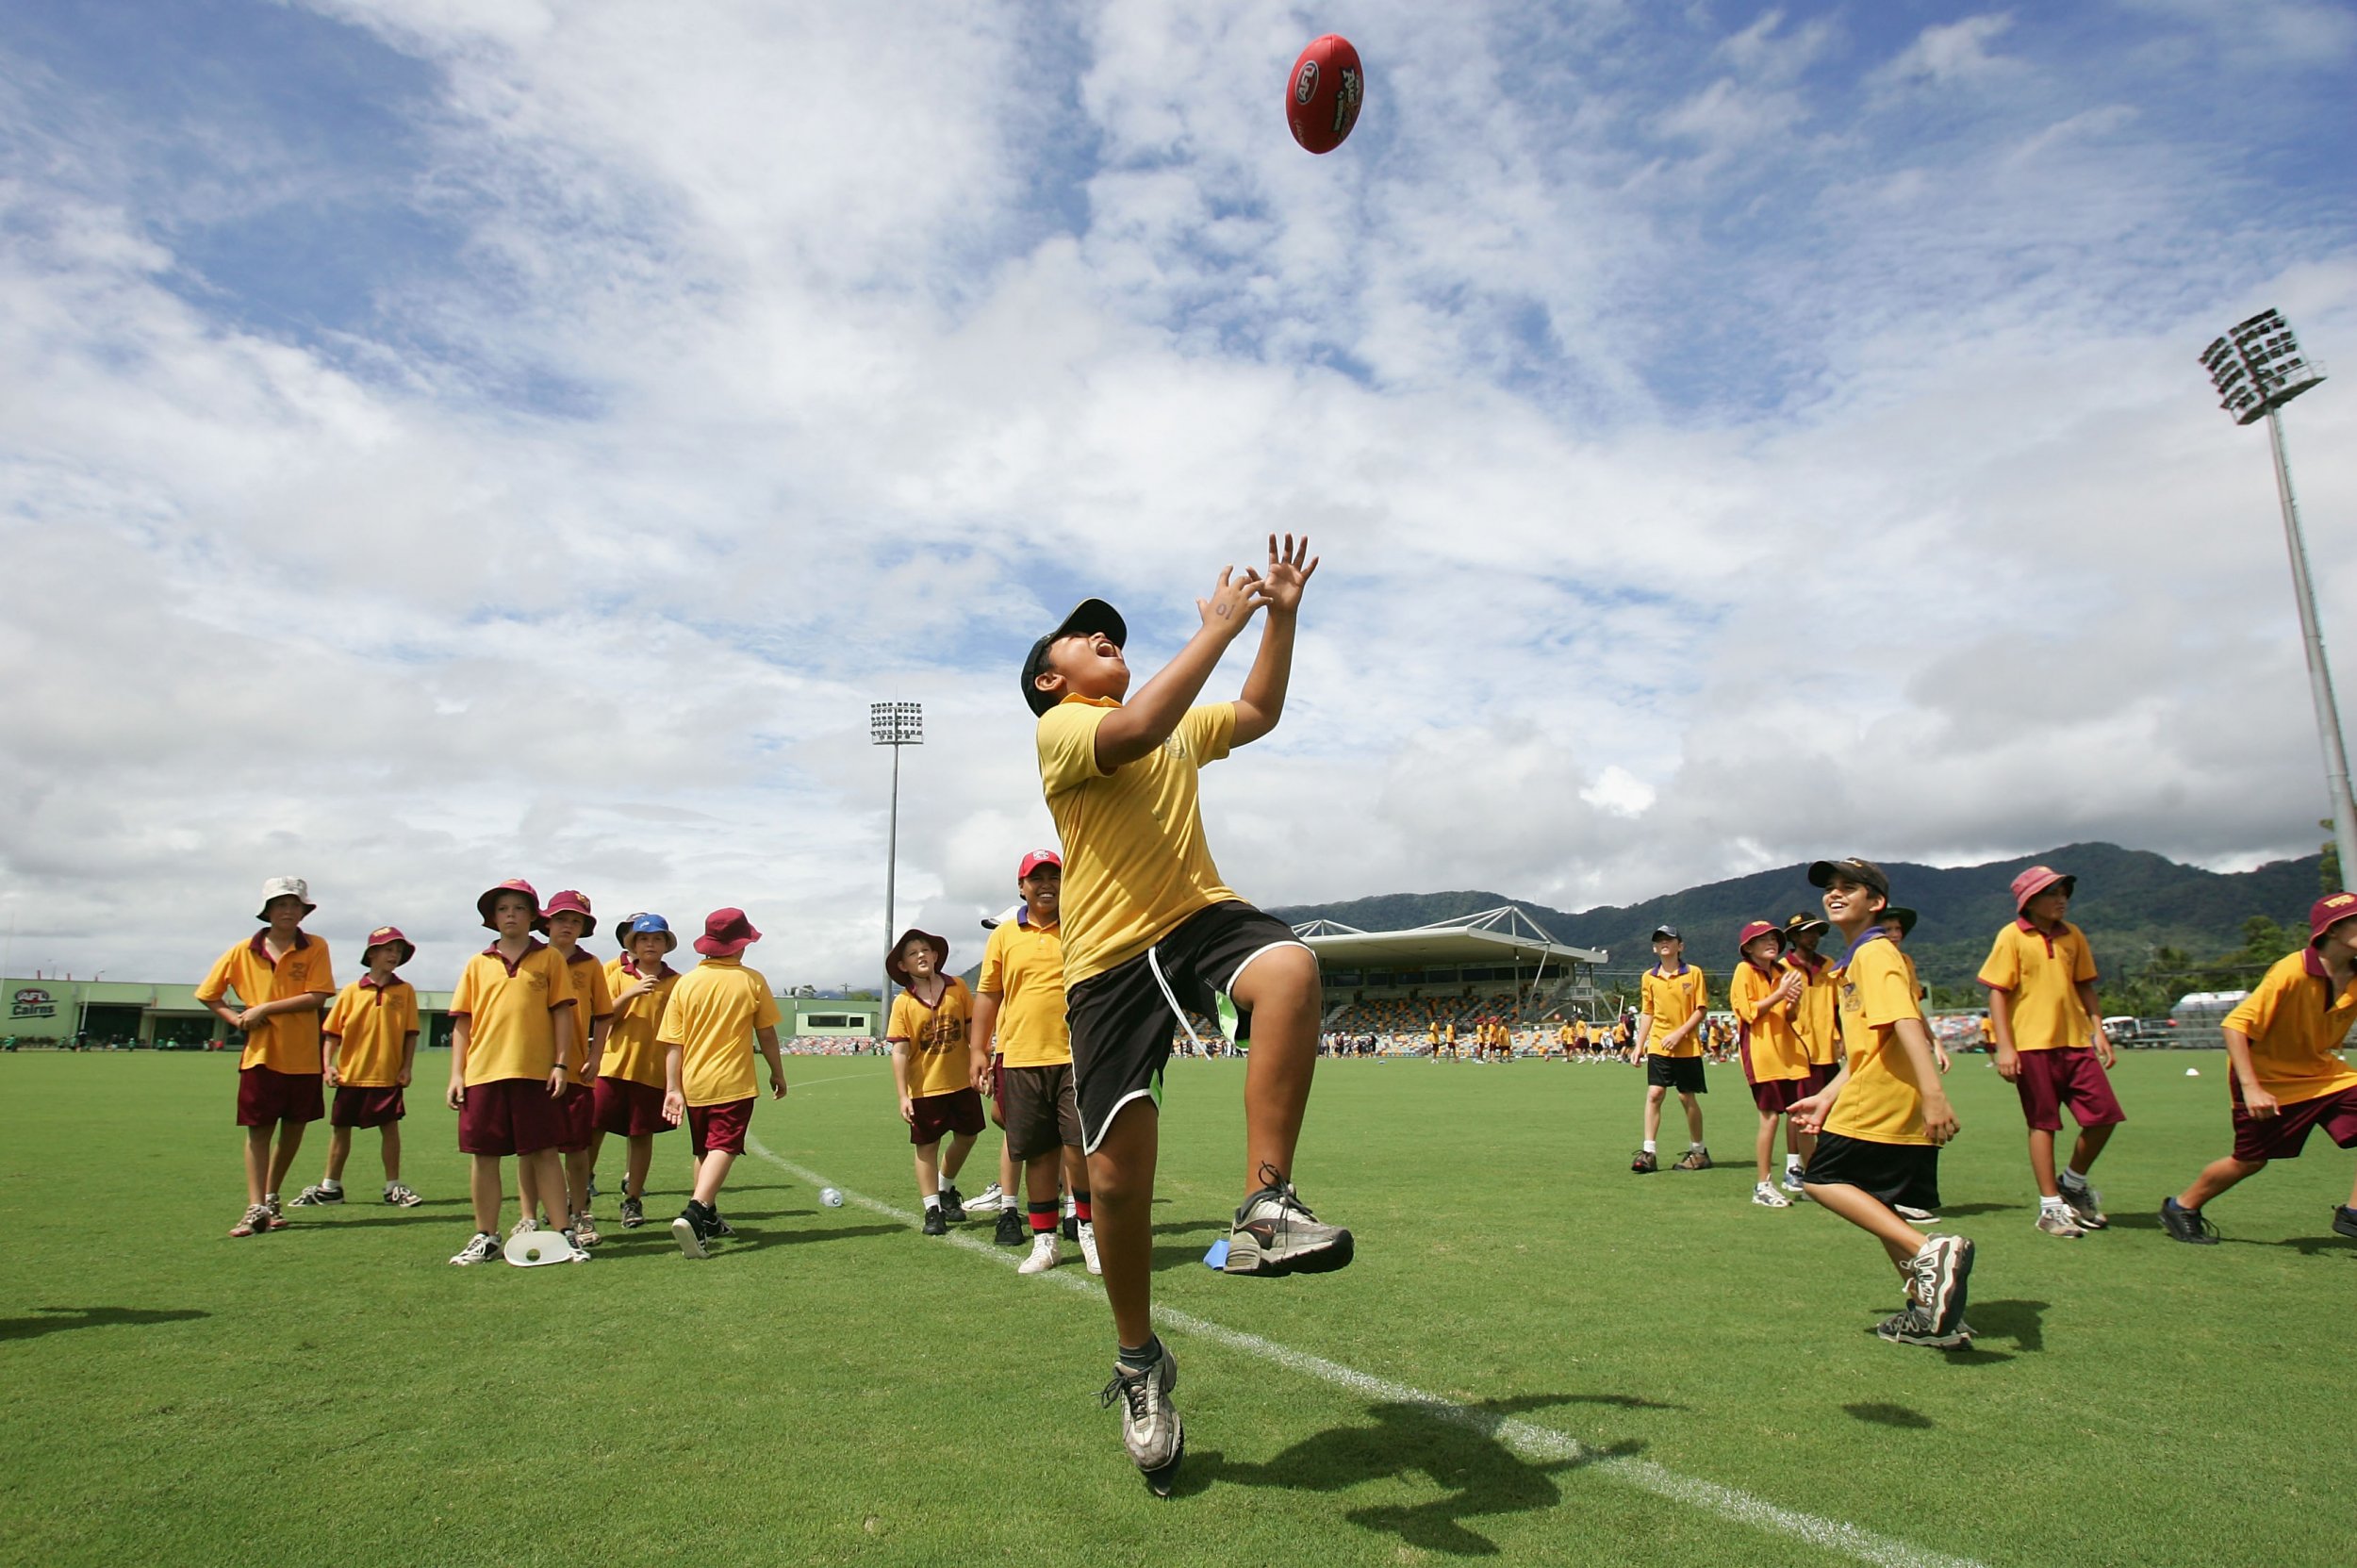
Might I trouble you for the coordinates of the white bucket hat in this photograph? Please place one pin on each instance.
(279, 887)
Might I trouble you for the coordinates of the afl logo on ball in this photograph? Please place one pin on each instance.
(1306, 83)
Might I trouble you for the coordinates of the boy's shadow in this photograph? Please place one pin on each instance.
(1465, 1458)
(51, 1320)
(1180, 1254)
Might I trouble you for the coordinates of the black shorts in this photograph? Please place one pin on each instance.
(1897, 1174)
(1042, 1114)
(1125, 1020)
(1682, 1073)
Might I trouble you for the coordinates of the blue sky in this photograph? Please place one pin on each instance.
(462, 439)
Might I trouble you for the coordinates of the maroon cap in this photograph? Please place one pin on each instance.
(570, 901)
(727, 932)
(389, 937)
(513, 884)
(1757, 929)
(940, 946)
(1036, 859)
(2036, 879)
(2329, 912)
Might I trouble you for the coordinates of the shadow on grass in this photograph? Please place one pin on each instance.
(2307, 1246)
(51, 1320)
(2022, 1322)
(1462, 1451)
(1891, 1415)
(1955, 1210)
(1181, 1254)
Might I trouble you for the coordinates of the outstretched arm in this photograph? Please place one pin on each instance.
(1133, 729)
(1263, 700)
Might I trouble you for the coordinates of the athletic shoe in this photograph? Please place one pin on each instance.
(1071, 1225)
(1088, 1245)
(1275, 1233)
(1938, 1274)
(1792, 1187)
(277, 1220)
(1643, 1161)
(713, 1225)
(482, 1250)
(1766, 1196)
(689, 1232)
(316, 1197)
(1695, 1158)
(1915, 1327)
(1046, 1252)
(952, 1206)
(993, 1200)
(257, 1218)
(633, 1214)
(935, 1224)
(1914, 1216)
(401, 1197)
(2344, 1223)
(2086, 1205)
(585, 1232)
(1010, 1229)
(1150, 1427)
(2059, 1222)
(523, 1227)
(2192, 1225)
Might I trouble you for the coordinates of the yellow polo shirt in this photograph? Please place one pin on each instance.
(1135, 860)
(1882, 1104)
(1820, 1020)
(1773, 1048)
(586, 978)
(372, 1024)
(2043, 972)
(1023, 966)
(285, 1042)
(936, 1035)
(2296, 1027)
(515, 1032)
(631, 1052)
(1671, 1000)
(712, 1014)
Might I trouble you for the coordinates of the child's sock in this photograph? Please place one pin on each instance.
(2071, 1179)
(1792, 1164)
(1143, 1357)
(1649, 1146)
(329, 1185)
(932, 1201)
(1043, 1217)
(1080, 1209)
(1693, 1149)
(2051, 1205)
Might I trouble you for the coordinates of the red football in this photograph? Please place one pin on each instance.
(1322, 94)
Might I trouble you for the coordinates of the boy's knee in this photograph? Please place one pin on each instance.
(1277, 977)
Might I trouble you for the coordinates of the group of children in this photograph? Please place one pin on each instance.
(551, 1052)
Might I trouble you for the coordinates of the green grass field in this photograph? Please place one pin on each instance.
(835, 1388)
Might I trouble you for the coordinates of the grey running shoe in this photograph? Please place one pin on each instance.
(2344, 1221)
(401, 1197)
(1937, 1275)
(1275, 1233)
(1915, 1327)
(633, 1214)
(315, 1196)
(2192, 1225)
(482, 1250)
(2086, 1205)
(1150, 1427)
(585, 1232)
(2059, 1222)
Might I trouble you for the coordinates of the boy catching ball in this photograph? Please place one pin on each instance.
(281, 977)
(1150, 932)
(371, 1047)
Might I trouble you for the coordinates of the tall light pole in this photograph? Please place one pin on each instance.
(893, 724)
(2257, 368)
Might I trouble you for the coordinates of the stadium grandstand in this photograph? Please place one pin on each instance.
(1498, 963)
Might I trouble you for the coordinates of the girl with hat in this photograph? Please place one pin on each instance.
(629, 1094)
(931, 1071)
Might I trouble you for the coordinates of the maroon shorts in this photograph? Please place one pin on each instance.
(2071, 1075)
(998, 1088)
(720, 1126)
(580, 1109)
(265, 1097)
(959, 1110)
(1777, 1094)
(509, 1115)
(1821, 1073)
(628, 1108)
(362, 1105)
(2279, 1136)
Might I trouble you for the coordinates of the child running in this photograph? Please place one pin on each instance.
(1765, 997)
(508, 1054)
(931, 1020)
(2050, 1046)
(630, 1072)
(717, 1012)
(2289, 1077)
(281, 977)
(1150, 930)
(372, 1048)
(1885, 1115)
(1672, 1005)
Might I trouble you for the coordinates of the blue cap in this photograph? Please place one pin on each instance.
(640, 924)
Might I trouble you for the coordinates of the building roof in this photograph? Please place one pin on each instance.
(1503, 935)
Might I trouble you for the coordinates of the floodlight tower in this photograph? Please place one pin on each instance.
(893, 724)
(2257, 368)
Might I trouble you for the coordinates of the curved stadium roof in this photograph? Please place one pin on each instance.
(1503, 934)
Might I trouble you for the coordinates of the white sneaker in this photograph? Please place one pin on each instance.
(2060, 1222)
(1046, 1252)
(1088, 1246)
(482, 1250)
(989, 1201)
(1766, 1196)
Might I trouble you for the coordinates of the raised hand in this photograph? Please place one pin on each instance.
(1233, 600)
(1288, 573)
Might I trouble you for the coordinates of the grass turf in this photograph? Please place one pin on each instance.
(834, 1388)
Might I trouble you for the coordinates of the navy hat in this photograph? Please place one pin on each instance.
(1089, 615)
(1669, 931)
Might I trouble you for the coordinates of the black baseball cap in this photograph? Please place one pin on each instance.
(1088, 616)
(1863, 872)
(1661, 932)
(1803, 922)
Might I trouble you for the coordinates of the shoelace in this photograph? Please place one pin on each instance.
(1131, 1389)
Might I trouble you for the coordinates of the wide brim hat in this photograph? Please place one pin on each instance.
(727, 932)
(1803, 923)
(389, 937)
(2328, 912)
(1903, 914)
(282, 887)
(940, 946)
(2036, 879)
(1863, 872)
(1756, 929)
(570, 901)
(627, 927)
(513, 884)
(1089, 615)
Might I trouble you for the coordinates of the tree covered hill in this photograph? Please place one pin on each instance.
(2132, 905)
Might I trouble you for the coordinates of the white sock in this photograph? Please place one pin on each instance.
(1792, 1163)
(932, 1200)
(2049, 1204)
(329, 1185)
(1649, 1146)
(1693, 1149)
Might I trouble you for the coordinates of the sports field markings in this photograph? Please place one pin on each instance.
(1526, 1438)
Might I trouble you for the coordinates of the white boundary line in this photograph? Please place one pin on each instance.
(1525, 1438)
